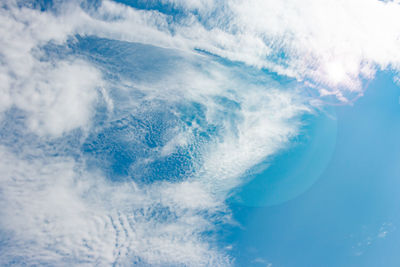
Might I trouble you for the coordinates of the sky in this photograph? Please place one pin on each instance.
(199, 133)
(349, 216)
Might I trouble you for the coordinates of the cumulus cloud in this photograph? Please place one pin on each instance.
(56, 95)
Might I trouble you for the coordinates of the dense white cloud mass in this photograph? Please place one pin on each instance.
(332, 44)
(59, 206)
(47, 90)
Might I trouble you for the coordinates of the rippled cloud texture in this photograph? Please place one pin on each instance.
(124, 129)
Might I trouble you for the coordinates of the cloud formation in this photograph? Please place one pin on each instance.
(86, 88)
(333, 45)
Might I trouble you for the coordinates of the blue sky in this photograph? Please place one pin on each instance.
(199, 133)
(349, 217)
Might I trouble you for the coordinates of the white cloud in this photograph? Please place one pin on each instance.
(262, 261)
(53, 210)
(57, 96)
(368, 236)
(332, 44)
(385, 229)
(266, 122)
(254, 121)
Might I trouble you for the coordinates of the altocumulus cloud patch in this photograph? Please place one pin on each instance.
(125, 128)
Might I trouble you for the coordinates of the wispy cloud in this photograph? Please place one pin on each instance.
(369, 236)
(59, 207)
(54, 212)
(56, 207)
(331, 45)
(334, 45)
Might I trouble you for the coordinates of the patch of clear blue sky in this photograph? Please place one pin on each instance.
(342, 219)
